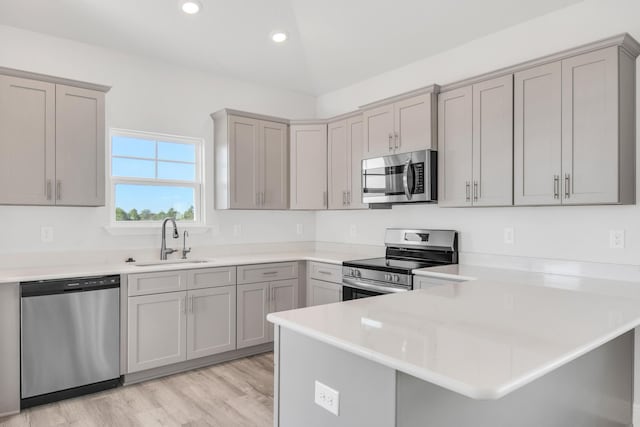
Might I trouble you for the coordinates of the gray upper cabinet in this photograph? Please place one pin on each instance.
(80, 152)
(574, 130)
(309, 166)
(27, 141)
(339, 164)
(51, 143)
(406, 125)
(475, 144)
(598, 151)
(493, 142)
(251, 161)
(455, 155)
(355, 142)
(537, 125)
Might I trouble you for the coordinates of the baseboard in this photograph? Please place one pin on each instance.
(150, 374)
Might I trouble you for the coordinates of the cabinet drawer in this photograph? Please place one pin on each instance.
(211, 277)
(430, 282)
(327, 272)
(157, 283)
(267, 272)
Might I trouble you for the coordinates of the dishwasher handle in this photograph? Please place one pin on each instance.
(62, 286)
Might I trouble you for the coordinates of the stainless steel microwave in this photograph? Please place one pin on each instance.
(400, 178)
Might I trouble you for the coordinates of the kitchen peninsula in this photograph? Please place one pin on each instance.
(478, 353)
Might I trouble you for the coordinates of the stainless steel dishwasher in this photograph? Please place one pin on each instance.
(70, 338)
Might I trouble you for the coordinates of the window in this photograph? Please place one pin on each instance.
(155, 176)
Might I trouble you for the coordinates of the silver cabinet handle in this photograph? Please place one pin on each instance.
(567, 185)
(390, 144)
(397, 140)
(58, 190)
(468, 191)
(349, 197)
(475, 191)
(47, 189)
(262, 198)
(344, 198)
(324, 199)
(324, 272)
(183, 304)
(556, 186)
(191, 304)
(269, 273)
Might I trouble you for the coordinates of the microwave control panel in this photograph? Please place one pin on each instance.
(418, 172)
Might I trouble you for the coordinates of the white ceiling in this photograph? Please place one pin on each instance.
(333, 43)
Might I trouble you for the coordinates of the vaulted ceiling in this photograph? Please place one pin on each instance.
(332, 43)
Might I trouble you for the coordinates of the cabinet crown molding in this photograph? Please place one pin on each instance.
(53, 79)
(625, 41)
(435, 89)
(230, 112)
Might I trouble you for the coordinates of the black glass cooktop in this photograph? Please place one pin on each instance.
(391, 265)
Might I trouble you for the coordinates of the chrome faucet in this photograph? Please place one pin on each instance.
(185, 251)
(163, 248)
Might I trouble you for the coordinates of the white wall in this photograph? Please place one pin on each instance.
(579, 233)
(151, 96)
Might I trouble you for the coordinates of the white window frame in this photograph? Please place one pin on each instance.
(197, 184)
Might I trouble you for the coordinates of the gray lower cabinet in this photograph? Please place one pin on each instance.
(319, 292)
(10, 349)
(51, 144)
(211, 321)
(157, 330)
(255, 301)
(180, 315)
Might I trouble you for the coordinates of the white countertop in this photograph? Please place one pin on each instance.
(64, 271)
(482, 338)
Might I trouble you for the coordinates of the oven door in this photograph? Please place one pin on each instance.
(400, 178)
(355, 289)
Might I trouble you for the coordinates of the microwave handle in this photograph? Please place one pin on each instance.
(405, 179)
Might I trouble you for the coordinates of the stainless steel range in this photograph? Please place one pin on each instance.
(406, 250)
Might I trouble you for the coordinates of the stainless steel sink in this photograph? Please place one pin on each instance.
(172, 262)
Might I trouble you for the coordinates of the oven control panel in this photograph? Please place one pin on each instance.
(381, 277)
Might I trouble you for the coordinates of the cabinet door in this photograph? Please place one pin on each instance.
(413, 124)
(275, 164)
(493, 142)
(537, 134)
(252, 309)
(378, 131)
(79, 147)
(211, 323)
(355, 142)
(319, 292)
(455, 142)
(244, 158)
(27, 141)
(283, 295)
(157, 329)
(309, 167)
(590, 128)
(339, 165)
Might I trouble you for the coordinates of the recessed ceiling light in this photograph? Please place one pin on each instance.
(191, 7)
(279, 36)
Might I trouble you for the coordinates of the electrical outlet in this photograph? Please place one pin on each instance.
(353, 230)
(616, 239)
(509, 236)
(237, 230)
(327, 398)
(46, 234)
(299, 229)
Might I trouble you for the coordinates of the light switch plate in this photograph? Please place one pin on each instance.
(327, 398)
(46, 234)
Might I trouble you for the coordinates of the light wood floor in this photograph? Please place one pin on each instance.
(237, 393)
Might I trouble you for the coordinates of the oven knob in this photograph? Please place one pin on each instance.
(396, 278)
(387, 277)
(357, 273)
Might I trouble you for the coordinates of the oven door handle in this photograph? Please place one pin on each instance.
(369, 287)
(405, 180)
